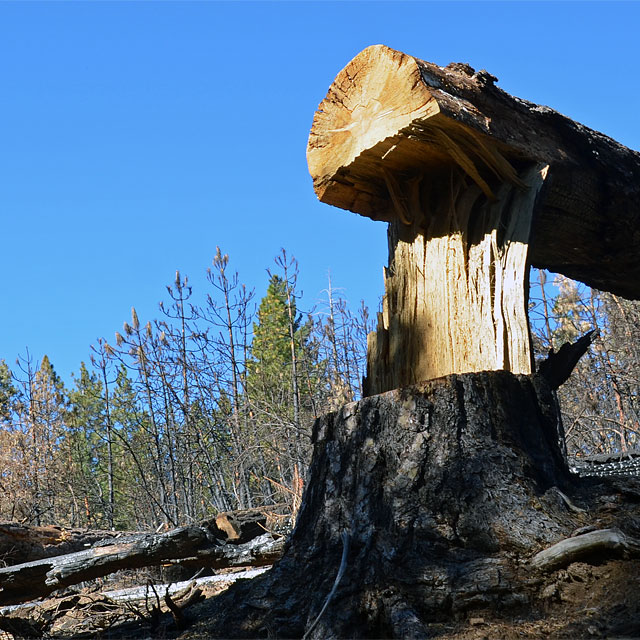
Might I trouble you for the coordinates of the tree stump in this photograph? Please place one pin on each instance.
(430, 497)
(440, 490)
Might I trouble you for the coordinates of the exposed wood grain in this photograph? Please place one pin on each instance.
(456, 292)
(389, 114)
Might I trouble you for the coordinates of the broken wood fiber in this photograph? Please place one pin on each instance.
(476, 185)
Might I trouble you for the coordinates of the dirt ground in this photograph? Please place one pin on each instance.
(581, 601)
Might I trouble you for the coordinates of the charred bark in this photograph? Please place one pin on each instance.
(557, 367)
(233, 539)
(439, 489)
(23, 543)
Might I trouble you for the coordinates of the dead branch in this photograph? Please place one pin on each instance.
(598, 544)
(242, 542)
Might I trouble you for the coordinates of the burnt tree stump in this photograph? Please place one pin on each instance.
(430, 497)
(441, 488)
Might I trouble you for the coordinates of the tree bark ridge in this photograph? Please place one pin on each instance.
(441, 487)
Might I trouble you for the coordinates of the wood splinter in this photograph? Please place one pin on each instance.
(476, 186)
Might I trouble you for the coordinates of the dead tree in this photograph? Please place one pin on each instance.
(429, 498)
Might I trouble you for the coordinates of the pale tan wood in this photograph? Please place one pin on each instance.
(385, 115)
(390, 119)
(455, 165)
(456, 293)
(389, 142)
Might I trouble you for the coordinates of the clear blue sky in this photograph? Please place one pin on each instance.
(137, 136)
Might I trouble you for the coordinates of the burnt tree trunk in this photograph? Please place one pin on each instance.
(433, 499)
(24, 543)
(438, 491)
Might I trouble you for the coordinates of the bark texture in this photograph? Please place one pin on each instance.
(24, 543)
(392, 125)
(233, 539)
(438, 492)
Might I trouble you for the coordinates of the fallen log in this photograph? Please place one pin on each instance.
(97, 610)
(23, 543)
(245, 543)
(600, 544)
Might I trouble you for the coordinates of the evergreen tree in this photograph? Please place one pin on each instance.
(9, 395)
(280, 382)
(85, 451)
(40, 429)
(270, 349)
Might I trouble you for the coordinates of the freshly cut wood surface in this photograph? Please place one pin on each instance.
(391, 126)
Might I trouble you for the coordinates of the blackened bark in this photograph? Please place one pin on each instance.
(557, 367)
(23, 543)
(442, 489)
(232, 539)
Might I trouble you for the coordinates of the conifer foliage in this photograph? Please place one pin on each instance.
(209, 407)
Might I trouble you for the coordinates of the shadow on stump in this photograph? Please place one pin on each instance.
(442, 490)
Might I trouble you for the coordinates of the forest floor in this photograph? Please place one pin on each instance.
(581, 601)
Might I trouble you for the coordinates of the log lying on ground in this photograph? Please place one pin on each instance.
(23, 543)
(242, 541)
(96, 611)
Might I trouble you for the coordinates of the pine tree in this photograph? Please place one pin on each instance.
(85, 451)
(281, 378)
(9, 395)
(270, 349)
(39, 468)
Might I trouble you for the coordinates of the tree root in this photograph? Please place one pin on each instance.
(599, 544)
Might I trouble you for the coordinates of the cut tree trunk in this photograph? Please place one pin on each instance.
(434, 495)
(457, 289)
(232, 539)
(429, 501)
(476, 186)
(392, 126)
